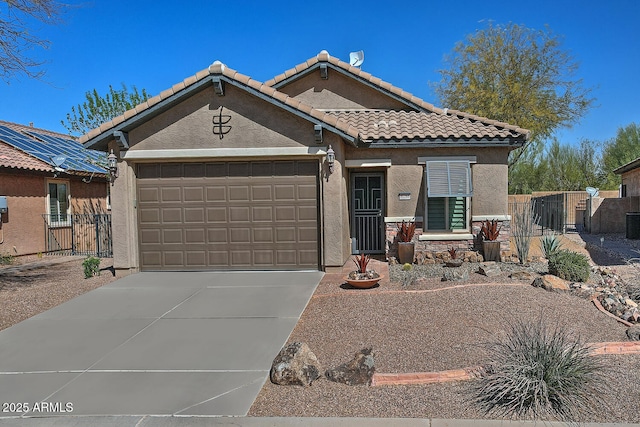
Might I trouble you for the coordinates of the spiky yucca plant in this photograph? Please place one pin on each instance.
(539, 373)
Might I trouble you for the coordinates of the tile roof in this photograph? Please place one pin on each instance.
(11, 157)
(418, 125)
(219, 69)
(348, 125)
(324, 56)
(30, 155)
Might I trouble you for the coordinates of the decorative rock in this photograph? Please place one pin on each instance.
(455, 275)
(634, 333)
(295, 365)
(489, 269)
(358, 371)
(630, 303)
(523, 275)
(551, 283)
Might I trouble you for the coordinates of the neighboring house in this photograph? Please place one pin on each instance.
(630, 176)
(45, 177)
(224, 172)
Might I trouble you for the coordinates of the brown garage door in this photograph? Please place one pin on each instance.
(228, 215)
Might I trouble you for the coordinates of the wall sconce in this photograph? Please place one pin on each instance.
(331, 158)
(112, 161)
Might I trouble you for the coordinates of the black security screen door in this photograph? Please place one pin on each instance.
(367, 206)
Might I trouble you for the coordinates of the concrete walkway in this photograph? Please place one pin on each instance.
(153, 344)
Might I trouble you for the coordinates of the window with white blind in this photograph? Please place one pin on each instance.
(58, 203)
(449, 187)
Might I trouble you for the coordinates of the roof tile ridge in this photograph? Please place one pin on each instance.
(488, 121)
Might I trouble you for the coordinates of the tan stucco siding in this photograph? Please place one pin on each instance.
(338, 92)
(124, 219)
(632, 181)
(252, 123)
(489, 178)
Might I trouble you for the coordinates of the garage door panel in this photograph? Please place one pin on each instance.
(239, 214)
(217, 215)
(228, 215)
(194, 215)
(240, 235)
(170, 194)
(171, 215)
(149, 195)
(150, 216)
(193, 194)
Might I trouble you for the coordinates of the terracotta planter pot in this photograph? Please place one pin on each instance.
(363, 283)
(491, 250)
(406, 251)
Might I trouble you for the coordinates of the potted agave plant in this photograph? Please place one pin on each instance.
(362, 277)
(490, 246)
(406, 247)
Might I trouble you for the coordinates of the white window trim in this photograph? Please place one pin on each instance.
(66, 223)
(367, 163)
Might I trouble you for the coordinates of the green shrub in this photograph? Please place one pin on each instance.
(569, 265)
(91, 267)
(6, 259)
(550, 244)
(535, 373)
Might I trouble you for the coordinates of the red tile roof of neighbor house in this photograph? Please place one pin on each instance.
(12, 157)
(430, 123)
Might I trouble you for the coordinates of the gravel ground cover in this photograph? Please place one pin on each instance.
(433, 325)
(44, 283)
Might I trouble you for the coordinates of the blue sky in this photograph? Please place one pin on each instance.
(155, 44)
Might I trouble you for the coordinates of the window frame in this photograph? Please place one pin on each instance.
(64, 223)
(470, 160)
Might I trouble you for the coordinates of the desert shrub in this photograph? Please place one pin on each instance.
(535, 372)
(569, 265)
(6, 259)
(91, 267)
(524, 220)
(550, 244)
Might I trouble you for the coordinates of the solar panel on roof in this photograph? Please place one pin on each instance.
(78, 157)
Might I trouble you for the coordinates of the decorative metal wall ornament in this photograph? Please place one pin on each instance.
(220, 121)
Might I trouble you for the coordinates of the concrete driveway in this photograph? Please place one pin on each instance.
(165, 343)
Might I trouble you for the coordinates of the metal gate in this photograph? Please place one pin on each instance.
(367, 207)
(78, 234)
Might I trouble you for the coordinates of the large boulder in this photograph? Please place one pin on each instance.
(358, 371)
(522, 275)
(455, 275)
(551, 283)
(489, 269)
(295, 365)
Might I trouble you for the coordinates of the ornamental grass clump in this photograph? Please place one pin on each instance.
(569, 265)
(538, 373)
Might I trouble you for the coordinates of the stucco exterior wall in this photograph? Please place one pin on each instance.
(338, 92)
(632, 181)
(253, 123)
(609, 215)
(23, 227)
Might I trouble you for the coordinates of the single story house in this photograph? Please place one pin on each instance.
(45, 178)
(630, 178)
(222, 171)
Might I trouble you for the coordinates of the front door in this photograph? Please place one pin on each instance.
(367, 212)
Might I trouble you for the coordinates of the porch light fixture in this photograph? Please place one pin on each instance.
(331, 158)
(112, 161)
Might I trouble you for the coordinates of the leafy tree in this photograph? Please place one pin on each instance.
(516, 75)
(622, 150)
(98, 109)
(16, 38)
